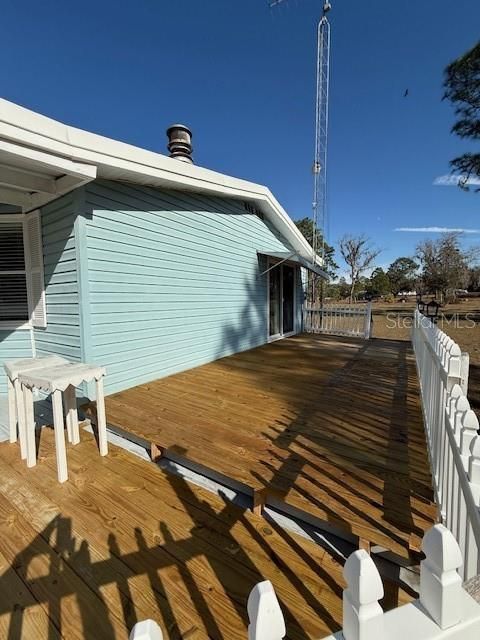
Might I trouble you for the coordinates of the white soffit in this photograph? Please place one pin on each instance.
(29, 178)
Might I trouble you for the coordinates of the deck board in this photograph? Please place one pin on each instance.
(123, 541)
(328, 426)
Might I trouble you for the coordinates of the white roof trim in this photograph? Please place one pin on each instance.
(112, 159)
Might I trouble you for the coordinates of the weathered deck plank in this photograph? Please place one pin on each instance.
(123, 541)
(329, 426)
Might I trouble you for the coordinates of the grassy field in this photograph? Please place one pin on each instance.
(461, 321)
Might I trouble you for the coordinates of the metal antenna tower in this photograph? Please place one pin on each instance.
(321, 132)
(319, 204)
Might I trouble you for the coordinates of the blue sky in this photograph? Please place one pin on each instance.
(242, 76)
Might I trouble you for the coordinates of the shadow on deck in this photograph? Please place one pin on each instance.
(327, 428)
(123, 541)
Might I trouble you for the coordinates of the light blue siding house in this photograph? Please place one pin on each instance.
(143, 263)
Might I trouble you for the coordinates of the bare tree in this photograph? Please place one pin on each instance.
(359, 255)
(445, 265)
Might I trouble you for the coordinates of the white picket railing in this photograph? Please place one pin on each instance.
(335, 319)
(444, 609)
(452, 436)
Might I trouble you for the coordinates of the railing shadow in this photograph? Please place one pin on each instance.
(362, 419)
(381, 437)
(64, 562)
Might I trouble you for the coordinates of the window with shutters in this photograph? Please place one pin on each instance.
(13, 277)
(22, 295)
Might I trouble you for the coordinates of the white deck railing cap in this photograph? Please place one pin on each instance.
(146, 630)
(454, 349)
(462, 404)
(441, 549)
(264, 613)
(475, 447)
(456, 391)
(363, 579)
(474, 465)
(470, 420)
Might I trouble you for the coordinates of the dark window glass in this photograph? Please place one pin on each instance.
(13, 283)
(288, 303)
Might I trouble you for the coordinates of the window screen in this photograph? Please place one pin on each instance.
(13, 282)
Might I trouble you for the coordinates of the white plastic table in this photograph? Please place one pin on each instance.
(16, 411)
(56, 380)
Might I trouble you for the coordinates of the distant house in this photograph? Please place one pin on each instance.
(143, 263)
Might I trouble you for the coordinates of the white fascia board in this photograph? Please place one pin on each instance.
(145, 167)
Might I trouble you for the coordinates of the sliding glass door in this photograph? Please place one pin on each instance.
(281, 301)
(274, 302)
(288, 289)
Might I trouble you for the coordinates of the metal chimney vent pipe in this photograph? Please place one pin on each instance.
(180, 142)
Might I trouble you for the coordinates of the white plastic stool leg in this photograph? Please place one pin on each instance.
(22, 436)
(29, 427)
(68, 421)
(101, 419)
(12, 411)
(72, 415)
(58, 424)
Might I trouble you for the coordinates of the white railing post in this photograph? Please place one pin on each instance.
(440, 584)
(368, 321)
(460, 407)
(453, 396)
(362, 614)
(264, 613)
(464, 371)
(444, 611)
(474, 469)
(146, 630)
(468, 431)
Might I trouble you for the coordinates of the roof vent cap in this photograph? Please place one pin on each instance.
(180, 142)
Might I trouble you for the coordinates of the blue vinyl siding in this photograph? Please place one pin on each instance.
(62, 334)
(173, 280)
(13, 345)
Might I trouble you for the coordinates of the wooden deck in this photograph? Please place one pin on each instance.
(329, 427)
(123, 541)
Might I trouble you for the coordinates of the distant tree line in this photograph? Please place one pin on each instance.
(439, 267)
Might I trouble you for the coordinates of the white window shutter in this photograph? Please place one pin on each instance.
(34, 268)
